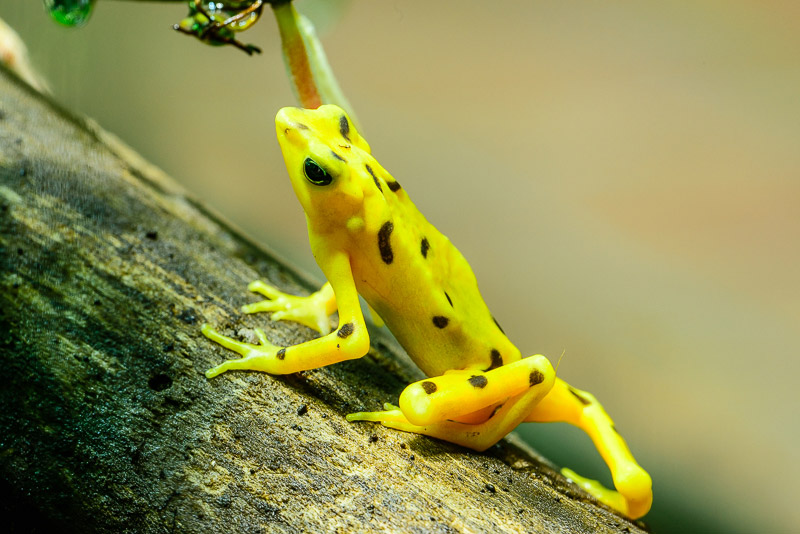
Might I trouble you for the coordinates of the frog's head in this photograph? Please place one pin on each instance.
(321, 147)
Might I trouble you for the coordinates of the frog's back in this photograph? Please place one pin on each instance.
(422, 287)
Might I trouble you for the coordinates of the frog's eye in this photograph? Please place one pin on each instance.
(316, 174)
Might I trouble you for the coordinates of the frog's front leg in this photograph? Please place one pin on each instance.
(447, 406)
(312, 311)
(349, 341)
(580, 408)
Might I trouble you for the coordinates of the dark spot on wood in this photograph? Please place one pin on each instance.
(496, 360)
(448, 299)
(281, 353)
(224, 500)
(302, 410)
(384, 246)
(337, 156)
(394, 186)
(375, 178)
(159, 382)
(188, 316)
(490, 488)
(578, 396)
(536, 378)
(152, 234)
(345, 330)
(424, 247)
(344, 127)
(440, 321)
(498, 325)
(478, 381)
(429, 387)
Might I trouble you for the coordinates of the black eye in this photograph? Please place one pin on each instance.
(316, 174)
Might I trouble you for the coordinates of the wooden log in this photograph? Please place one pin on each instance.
(107, 423)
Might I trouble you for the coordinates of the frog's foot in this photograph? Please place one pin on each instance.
(594, 488)
(311, 311)
(634, 494)
(390, 414)
(262, 357)
(392, 417)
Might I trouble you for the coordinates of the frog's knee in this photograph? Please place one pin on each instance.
(353, 339)
(417, 402)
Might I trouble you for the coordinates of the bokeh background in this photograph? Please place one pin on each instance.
(624, 178)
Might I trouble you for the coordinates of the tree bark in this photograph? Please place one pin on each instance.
(107, 423)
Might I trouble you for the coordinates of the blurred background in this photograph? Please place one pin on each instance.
(624, 178)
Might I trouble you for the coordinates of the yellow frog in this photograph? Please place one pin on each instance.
(369, 239)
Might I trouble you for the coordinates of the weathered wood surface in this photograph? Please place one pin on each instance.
(107, 423)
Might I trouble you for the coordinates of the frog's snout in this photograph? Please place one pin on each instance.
(288, 122)
(284, 117)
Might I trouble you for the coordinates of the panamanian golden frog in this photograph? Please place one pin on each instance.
(369, 239)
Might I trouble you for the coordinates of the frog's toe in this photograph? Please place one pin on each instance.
(387, 416)
(218, 370)
(262, 306)
(262, 288)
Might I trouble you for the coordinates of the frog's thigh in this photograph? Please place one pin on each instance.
(458, 393)
(483, 435)
(566, 404)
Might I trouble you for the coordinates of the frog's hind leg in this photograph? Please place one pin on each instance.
(434, 406)
(566, 404)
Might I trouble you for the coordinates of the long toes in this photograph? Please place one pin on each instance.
(216, 371)
(264, 289)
